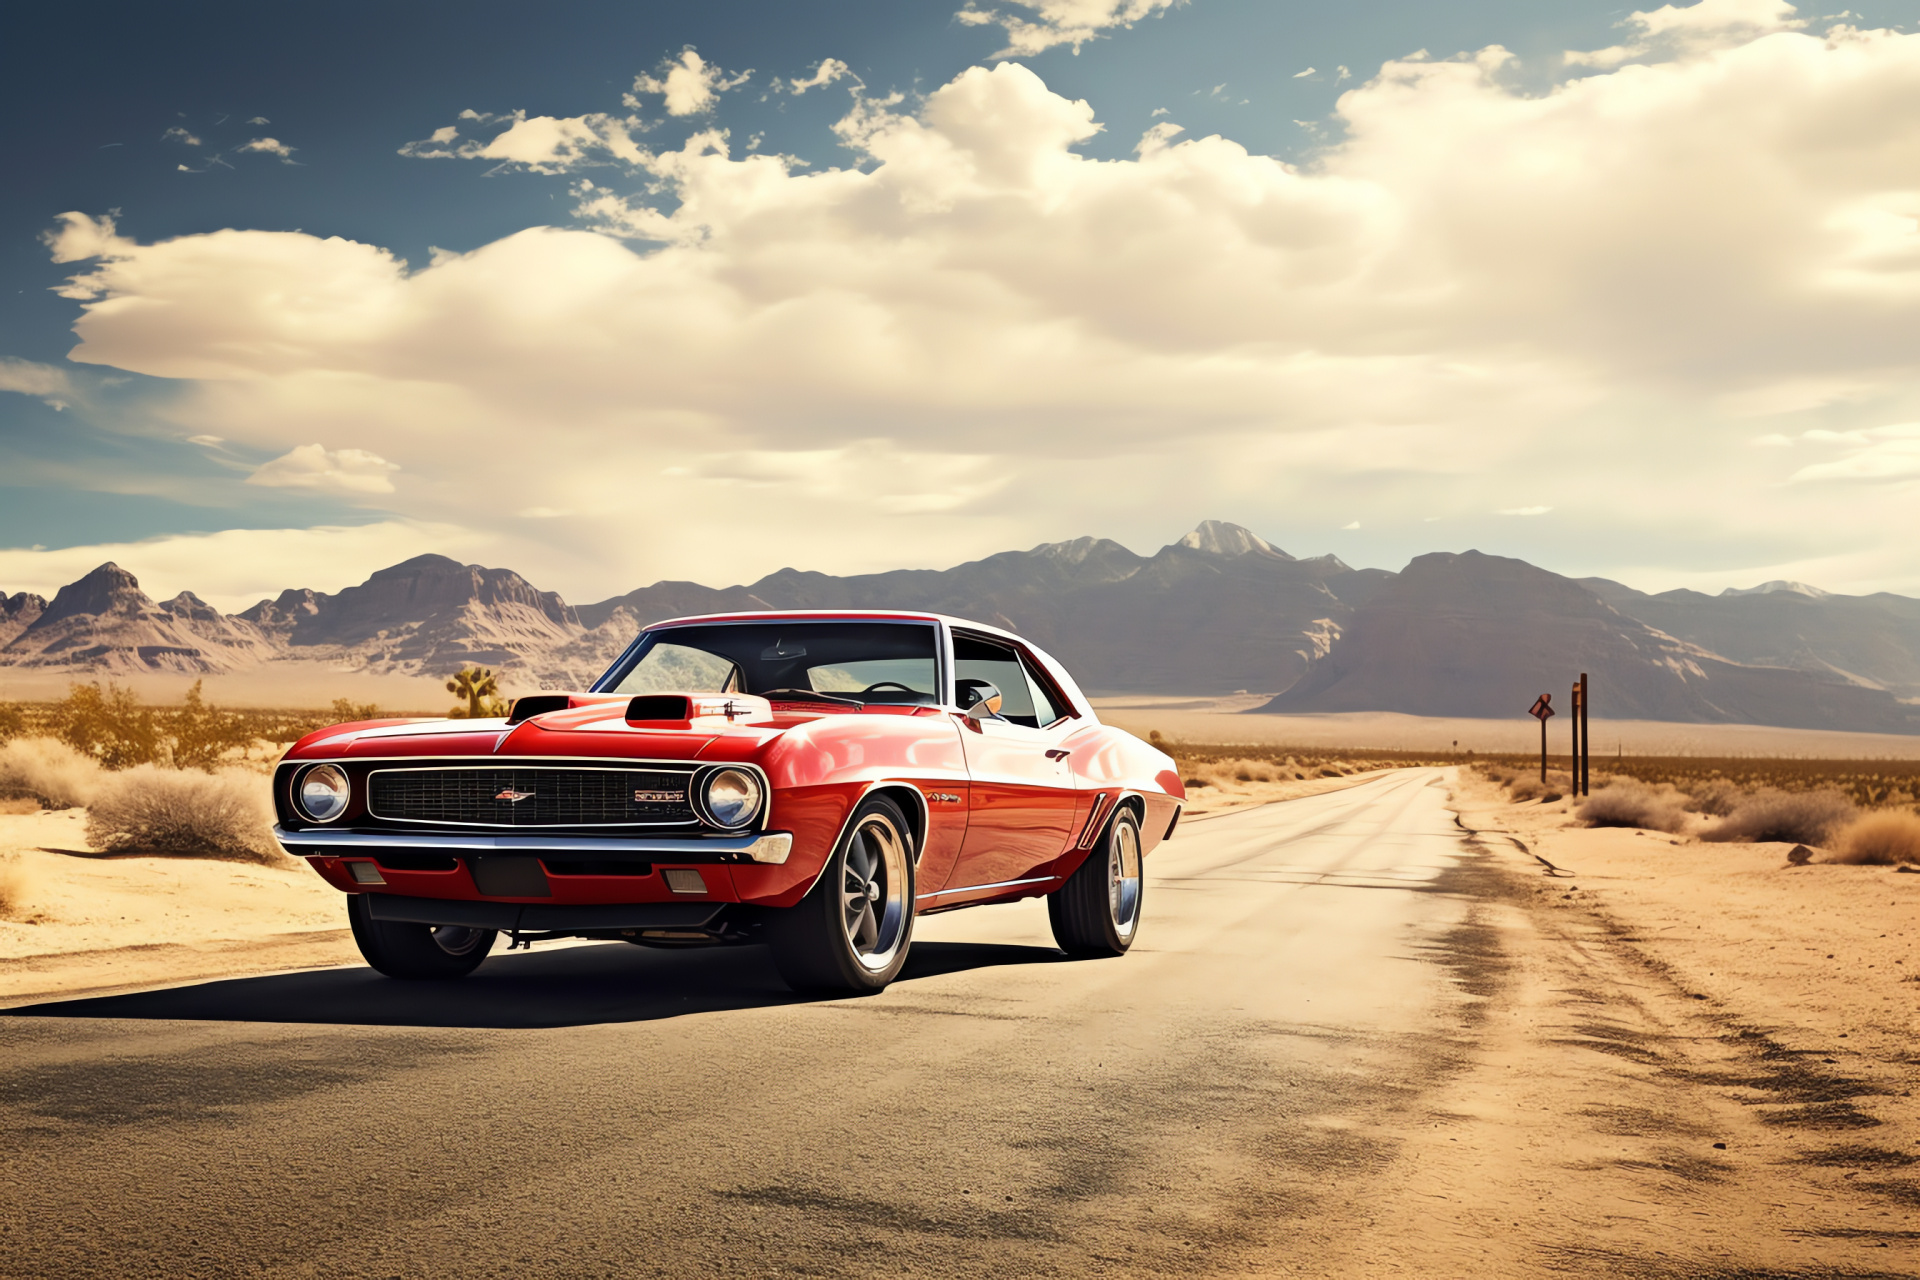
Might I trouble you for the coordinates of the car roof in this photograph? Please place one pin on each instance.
(841, 615)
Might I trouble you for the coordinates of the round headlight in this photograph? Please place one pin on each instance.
(322, 793)
(733, 797)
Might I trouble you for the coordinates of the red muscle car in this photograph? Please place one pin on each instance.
(810, 780)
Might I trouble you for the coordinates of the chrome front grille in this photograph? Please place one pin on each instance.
(548, 796)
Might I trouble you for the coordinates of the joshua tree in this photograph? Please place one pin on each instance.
(478, 687)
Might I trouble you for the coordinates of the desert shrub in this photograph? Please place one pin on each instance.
(16, 884)
(1884, 839)
(1626, 802)
(48, 772)
(346, 711)
(1527, 786)
(202, 734)
(13, 722)
(208, 815)
(1797, 817)
(107, 725)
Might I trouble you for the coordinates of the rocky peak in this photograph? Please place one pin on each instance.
(107, 590)
(18, 612)
(282, 614)
(1217, 537)
(429, 591)
(1778, 586)
(189, 605)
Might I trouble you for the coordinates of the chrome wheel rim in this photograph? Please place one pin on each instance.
(1123, 878)
(873, 892)
(457, 940)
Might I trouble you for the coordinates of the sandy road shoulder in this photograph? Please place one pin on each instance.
(1691, 1044)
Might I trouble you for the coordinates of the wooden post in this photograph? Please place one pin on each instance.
(1543, 751)
(1573, 761)
(1586, 741)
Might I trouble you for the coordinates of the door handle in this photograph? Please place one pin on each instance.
(1058, 753)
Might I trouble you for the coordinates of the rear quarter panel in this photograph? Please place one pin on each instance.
(1113, 761)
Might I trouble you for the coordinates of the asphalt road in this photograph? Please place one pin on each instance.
(1202, 1105)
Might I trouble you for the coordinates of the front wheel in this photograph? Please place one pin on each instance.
(849, 935)
(402, 950)
(1097, 911)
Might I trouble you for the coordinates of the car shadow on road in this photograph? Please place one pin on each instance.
(564, 987)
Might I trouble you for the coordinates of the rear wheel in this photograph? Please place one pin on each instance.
(849, 935)
(1097, 911)
(402, 950)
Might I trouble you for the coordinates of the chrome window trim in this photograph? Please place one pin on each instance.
(620, 664)
(693, 772)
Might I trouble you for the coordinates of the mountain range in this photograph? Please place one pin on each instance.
(1221, 610)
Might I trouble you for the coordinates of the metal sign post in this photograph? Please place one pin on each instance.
(1542, 708)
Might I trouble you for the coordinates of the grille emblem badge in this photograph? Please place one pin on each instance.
(659, 797)
(514, 797)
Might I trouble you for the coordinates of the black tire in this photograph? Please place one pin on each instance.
(1097, 911)
(850, 934)
(416, 950)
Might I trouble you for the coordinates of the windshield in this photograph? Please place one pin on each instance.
(854, 662)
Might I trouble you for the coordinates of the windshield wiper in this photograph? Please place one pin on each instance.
(809, 695)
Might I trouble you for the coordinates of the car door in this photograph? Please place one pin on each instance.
(1022, 793)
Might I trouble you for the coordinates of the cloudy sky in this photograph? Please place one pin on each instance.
(608, 293)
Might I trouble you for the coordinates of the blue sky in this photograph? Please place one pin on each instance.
(1404, 427)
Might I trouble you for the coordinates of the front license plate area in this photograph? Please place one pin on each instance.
(506, 876)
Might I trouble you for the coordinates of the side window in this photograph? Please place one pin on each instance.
(979, 659)
(1045, 709)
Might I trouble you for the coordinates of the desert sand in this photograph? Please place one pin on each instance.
(1222, 721)
(90, 921)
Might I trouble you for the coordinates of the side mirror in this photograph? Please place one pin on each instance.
(982, 702)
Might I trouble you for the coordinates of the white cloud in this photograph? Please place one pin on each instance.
(1883, 454)
(1058, 22)
(1522, 511)
(267, 146)
(1302, 75)
(1472, 287)
(690, 85)
(206, 442)
(828, 72)
(45, 381)
(259, 120)
(1708, 24)
(309, 466)
(177, 134)
(537, 144)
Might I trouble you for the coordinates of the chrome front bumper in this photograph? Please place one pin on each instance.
(768, 847)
